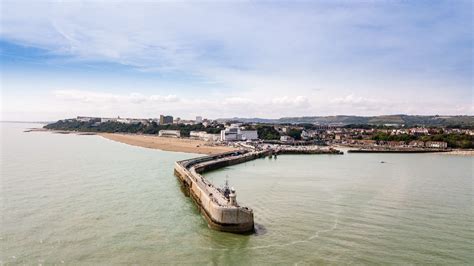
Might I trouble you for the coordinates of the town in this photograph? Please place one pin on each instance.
(380, 137)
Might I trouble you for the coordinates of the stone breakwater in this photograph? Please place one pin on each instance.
(400, 150)
(222, 212)
(306, 150)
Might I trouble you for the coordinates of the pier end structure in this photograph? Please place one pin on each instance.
(220, 212)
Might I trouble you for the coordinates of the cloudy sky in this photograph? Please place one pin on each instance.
(236, 58)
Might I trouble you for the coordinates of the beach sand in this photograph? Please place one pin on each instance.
(167, 144)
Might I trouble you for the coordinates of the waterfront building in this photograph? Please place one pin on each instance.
(395, 143)
(198, 119)
(169, 133)
(234, 133)
(436, 144)
(248, 134)
(230, 134)
(166, 119)
(203, 135)
(416, 143)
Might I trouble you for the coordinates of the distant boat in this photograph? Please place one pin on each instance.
(382, 161)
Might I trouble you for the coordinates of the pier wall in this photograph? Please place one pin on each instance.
(215, 208)
(309, 151)
(398, 150)
(219, 213)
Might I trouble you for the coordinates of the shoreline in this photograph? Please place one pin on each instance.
(167, 144)
(198, 146)
(459, 152)
(185, 145)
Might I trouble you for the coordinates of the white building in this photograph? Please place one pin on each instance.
(169, 133)
(248, 134)
(230, 134)
(419, 131)
(234, 133)
(124, 121)
(85, 118)
(436, 144)
(203, 135)
(286, 138)
(105, 120)
(309, 134)
(198, 119)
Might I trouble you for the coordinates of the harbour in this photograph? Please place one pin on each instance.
(105, 202)
(219, 206)
(236, 133)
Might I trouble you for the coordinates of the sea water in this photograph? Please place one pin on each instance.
(75, 199)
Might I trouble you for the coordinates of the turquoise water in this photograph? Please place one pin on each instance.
(87, 200)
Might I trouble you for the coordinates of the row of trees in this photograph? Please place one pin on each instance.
(268, 132)
(265, 132)
(112, 127)
(454, 140)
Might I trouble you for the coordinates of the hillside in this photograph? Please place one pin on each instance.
(407, 120)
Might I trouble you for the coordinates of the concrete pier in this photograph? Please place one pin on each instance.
(221, 213)
(398, 150)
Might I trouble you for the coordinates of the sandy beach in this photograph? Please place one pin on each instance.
(166, 144)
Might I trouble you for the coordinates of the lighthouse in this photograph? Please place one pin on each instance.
(232, 197)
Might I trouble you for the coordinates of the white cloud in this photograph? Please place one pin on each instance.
(369, 105)
(285, 100)
(107, 98)
(252, 56)
(353, 100)
(139, 105)
(237, 101)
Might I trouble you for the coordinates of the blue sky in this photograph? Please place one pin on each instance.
(235, 58)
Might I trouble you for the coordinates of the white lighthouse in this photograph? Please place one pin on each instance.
(232, 197)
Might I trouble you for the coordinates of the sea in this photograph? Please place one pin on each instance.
(86, 200)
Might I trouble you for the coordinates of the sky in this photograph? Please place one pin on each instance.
(216, 59)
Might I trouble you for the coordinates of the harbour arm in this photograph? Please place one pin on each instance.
(219, 206)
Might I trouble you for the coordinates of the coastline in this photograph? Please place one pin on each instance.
(459, 152)
(152, 141)
(196, 146)
(166, 144)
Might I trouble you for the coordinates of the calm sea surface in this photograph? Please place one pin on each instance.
(87, 200)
